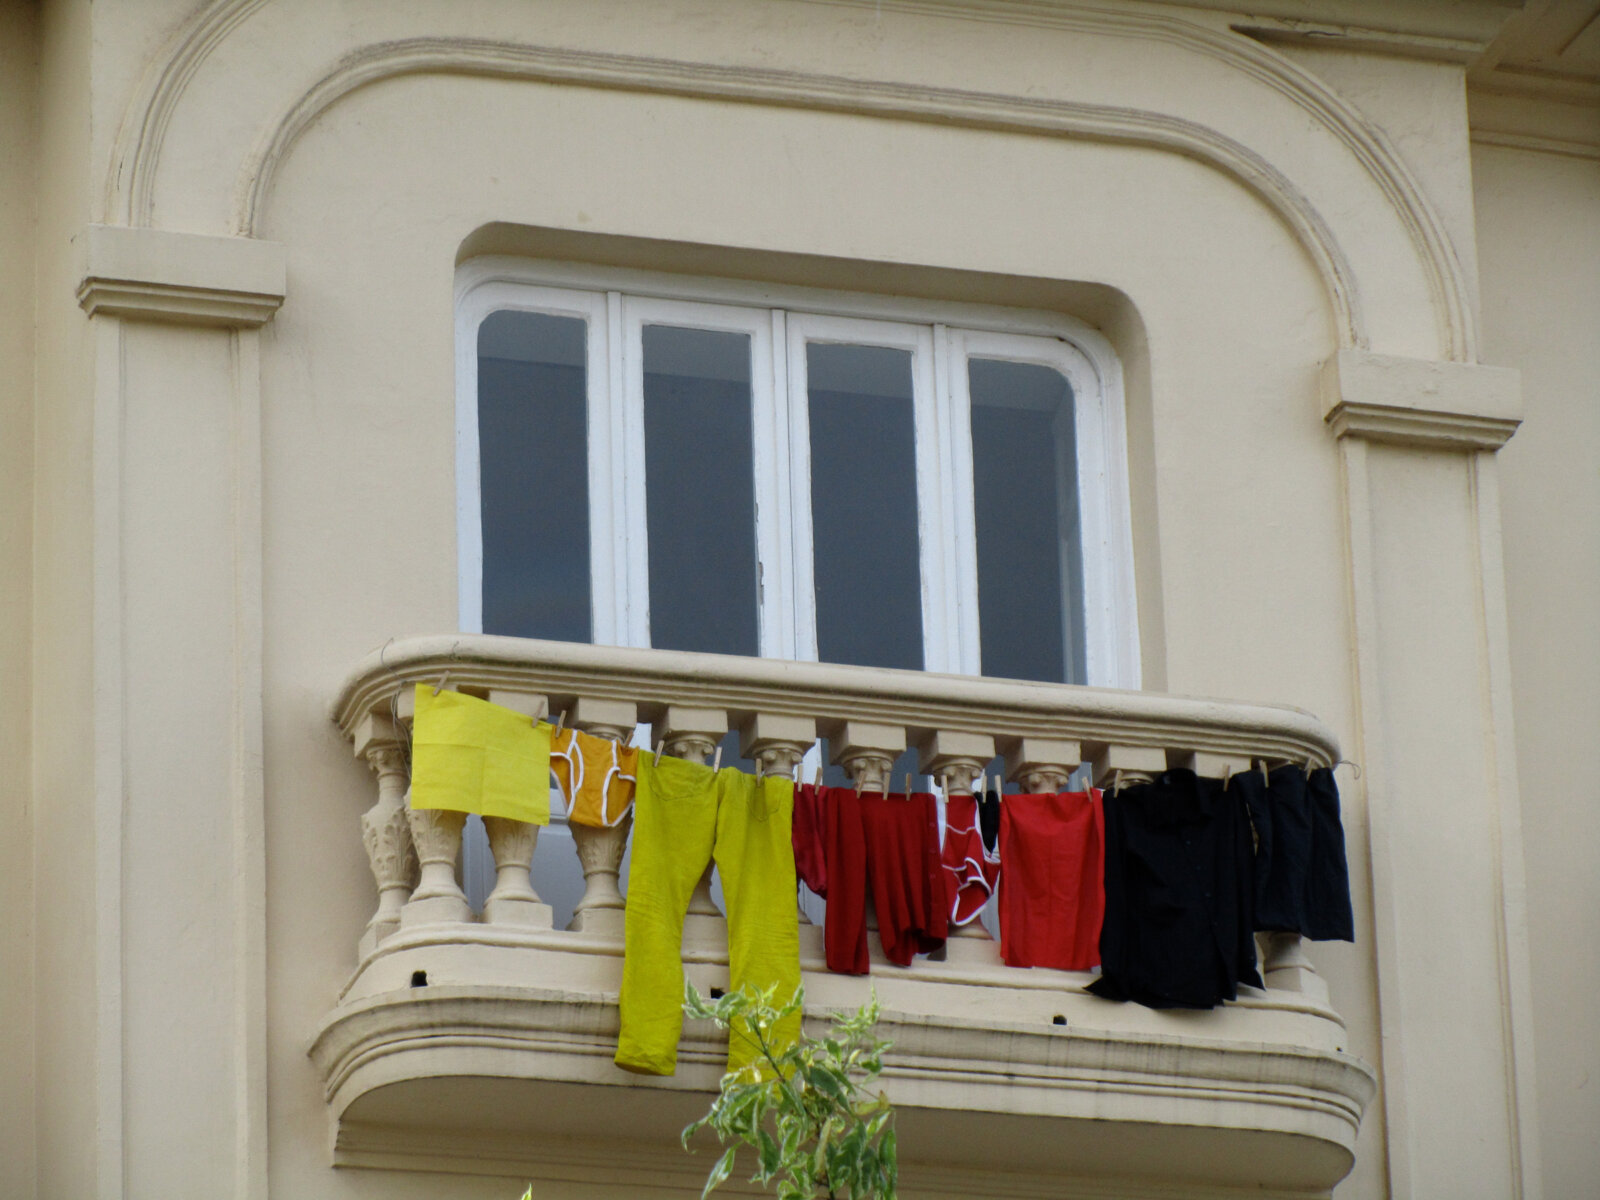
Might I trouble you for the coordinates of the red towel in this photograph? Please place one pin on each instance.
(1053, 899)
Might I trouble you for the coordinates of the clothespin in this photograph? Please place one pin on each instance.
(716, 759)
(1308, 766)
(1265, 778)
(443, 679)
(1116, 782)
(660, 746)
(1227, 774)
(859, 777)
(560, 722)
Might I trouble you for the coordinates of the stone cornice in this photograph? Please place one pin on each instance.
(154, 274)
(1407, 401)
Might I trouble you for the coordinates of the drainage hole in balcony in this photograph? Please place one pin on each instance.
(419, 979)
(1058, 1019)
(717, 993)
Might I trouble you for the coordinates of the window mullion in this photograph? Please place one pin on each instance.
(630, 546)
(955, 418)
(772, 466)
(802, 575)
(936, 538)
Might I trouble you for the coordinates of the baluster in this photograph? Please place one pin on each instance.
(436, 836)
(600, 850)
(438, 897)
(777, 744)
(867, 753)
(1285, 968)
(384, 828)
(692, 734)
(960, 758)
(513, 900)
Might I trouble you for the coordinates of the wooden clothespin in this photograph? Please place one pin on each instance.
(1227, 774)
(561, 722)
(443, 679)
(716, 759)
(660, 746)
(1265, 778)
(1309, 766)
(908, 785)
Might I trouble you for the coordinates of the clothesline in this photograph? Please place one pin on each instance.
(1162, 890)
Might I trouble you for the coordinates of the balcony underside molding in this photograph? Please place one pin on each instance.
(910, 699)
(499, 1079)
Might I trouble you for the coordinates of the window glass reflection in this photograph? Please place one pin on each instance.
(867, 564)
(1025, 485)
(534, 475)
(700, 490)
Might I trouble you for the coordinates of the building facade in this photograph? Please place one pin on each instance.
(1299, 304)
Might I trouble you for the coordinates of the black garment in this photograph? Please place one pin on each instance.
(1302, 884)
(1178, 930)
(989, 818)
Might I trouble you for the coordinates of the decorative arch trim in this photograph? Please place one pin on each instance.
(131, 186)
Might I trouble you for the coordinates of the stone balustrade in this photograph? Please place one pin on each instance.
(1043, 733)
(498, 1020)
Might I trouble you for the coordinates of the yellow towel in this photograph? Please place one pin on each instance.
(468, 755)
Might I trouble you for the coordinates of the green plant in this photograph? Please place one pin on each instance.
(805, 1109)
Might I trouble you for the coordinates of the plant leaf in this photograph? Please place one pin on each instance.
(719, 1172)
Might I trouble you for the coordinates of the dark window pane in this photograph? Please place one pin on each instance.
(1030, 600)
(864, 506)
(534, 475)
(700, 490)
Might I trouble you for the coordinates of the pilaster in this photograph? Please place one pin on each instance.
(1417, 442)
(178, 811)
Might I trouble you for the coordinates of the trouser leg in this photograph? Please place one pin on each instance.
(674, 825)
(756, 861)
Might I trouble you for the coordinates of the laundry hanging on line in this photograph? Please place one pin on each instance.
(468, 755)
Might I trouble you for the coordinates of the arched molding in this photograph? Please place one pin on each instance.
(130, 184)
(141, 141)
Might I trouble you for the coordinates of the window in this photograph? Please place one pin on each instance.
(649, 460)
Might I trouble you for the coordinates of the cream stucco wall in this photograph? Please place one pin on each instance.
(226, 520)
(1539, 239)
(19, 50)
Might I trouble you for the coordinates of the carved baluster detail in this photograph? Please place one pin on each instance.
(438, 897)
(385, 830)
(513, 901)
(600, 850)
(693, 734)
(866, 752)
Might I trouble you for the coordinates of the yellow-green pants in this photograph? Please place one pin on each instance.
(684, 817)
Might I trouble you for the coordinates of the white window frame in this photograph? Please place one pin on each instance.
(616, 302)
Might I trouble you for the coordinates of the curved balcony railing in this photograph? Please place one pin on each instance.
(1282, 1050)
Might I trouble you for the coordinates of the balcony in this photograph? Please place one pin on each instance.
(483, 1042)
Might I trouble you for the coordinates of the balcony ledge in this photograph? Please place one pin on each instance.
(501, 1064)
